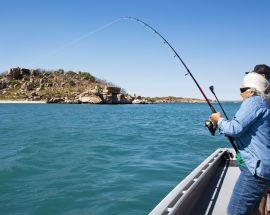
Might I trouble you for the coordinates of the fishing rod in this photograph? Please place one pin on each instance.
(212, 90)
(231, 139)
(209, 124)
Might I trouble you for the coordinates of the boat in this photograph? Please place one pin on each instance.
(206, 190)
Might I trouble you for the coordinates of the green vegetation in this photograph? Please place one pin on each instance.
(87, 76)
(72, 83)
(14, 82)
(149, 99)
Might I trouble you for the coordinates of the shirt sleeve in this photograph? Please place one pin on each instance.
(243, 119)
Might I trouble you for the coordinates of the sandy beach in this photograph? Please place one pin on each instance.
(21, 102)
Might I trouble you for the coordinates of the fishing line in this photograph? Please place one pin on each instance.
(76, 40)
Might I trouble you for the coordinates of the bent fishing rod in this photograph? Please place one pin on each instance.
(208, 123)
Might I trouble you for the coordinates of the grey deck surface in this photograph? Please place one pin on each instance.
(216, 196)
(226, 191)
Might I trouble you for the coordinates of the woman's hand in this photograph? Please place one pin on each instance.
(215, 117)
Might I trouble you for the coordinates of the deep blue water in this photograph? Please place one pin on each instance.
(98, 159)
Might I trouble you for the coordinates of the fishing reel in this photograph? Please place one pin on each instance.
(211, 127)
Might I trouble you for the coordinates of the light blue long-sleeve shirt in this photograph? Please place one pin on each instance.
(251, 129)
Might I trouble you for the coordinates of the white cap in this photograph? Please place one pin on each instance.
(257, 81)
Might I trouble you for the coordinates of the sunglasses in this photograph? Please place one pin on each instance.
(244, 89)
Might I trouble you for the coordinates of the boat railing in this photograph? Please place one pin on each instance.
(188, 192)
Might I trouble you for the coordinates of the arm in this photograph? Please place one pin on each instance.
(244, 118)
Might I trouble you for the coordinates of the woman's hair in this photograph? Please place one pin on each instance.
(264, 70)
(256, 82)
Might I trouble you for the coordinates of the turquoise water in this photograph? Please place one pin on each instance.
(98, 159)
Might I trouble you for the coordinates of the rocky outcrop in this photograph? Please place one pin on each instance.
(124, 99)
(109, 95)
(14, 74)
(27, 86)
(18, 73)
(140, 100)
(55, 100)
(3, 85)
(91, 99)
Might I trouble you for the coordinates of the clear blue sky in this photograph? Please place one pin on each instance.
(218, 40)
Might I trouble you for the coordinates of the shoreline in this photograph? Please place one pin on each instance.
(44, 102)
(21, 102)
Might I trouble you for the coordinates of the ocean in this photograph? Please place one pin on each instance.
(99, 159)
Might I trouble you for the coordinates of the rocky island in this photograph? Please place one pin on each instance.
(58, 86)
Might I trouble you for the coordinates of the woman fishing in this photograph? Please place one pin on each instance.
(251, 129)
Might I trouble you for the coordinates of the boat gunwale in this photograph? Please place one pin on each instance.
(182, 191)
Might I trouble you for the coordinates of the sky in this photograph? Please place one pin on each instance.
(218, 40)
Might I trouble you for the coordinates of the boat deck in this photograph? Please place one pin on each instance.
(217, 194)
(206, 190)
(223, 198)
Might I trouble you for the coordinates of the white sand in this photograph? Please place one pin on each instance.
(21, 102)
